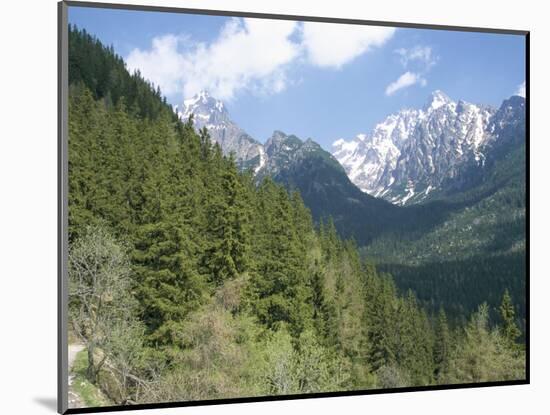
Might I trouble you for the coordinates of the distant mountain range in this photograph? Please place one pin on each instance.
(408, 157)
(440, 153)
(415, 152)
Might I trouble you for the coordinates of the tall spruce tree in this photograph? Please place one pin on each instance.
(442, 345)
(508, 316)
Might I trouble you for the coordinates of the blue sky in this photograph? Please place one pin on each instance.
(324, 81)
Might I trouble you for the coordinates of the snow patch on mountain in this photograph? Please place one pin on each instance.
(262, 162)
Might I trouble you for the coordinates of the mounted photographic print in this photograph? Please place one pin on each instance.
(256, 207)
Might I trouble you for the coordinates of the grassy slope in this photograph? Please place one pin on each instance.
(91, 396)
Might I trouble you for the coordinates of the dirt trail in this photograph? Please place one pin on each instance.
(73, 351)
(74, 399)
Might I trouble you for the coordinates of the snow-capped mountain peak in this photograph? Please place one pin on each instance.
(437, 100)
(410, 153)
(205, 109)
(212, 113)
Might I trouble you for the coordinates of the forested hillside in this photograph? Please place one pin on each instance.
(188, 280)
(477, 250)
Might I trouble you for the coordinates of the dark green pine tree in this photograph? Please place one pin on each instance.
(228, 227)
(508, 315)
(330, 241)
(166, 242)
(414, 341)
(205, 142)
(279, 273)
(302, 299)
(320, 309)
(169, 285)
(85, 125)
(381, 317)
(442, 345)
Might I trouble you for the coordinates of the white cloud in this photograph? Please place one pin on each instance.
(162, 64)
(521, 90)
(251, 54)
(248, 53)
(421, 55)
(404, 81)
(418, 60)
(334, 45)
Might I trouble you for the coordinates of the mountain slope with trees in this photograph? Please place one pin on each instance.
(478, 250)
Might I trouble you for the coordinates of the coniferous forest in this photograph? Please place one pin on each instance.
(190, 280)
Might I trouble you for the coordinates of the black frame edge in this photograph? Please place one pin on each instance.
(527, 208)
(165, 405)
